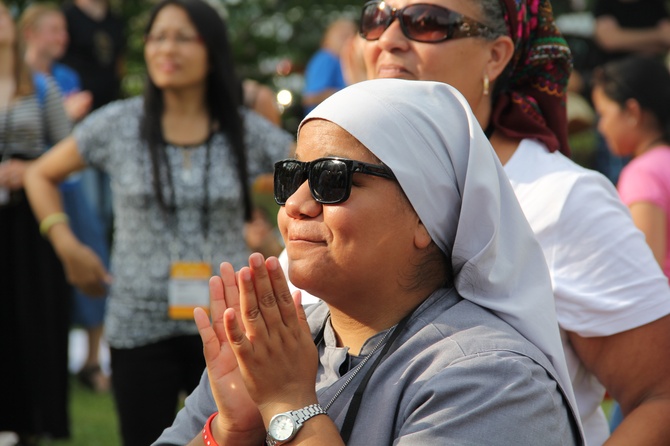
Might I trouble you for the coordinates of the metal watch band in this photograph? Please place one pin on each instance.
(299, 416)
(304, 414)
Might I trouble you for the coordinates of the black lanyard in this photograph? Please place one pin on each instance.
(354, 406)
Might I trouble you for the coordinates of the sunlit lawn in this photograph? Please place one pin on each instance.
(92, 419)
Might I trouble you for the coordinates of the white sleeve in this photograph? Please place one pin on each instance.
(605, 277)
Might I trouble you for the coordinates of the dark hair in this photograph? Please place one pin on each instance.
(223, 95)
(432, 270)
(642, 78)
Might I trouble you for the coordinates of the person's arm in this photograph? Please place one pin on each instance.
(613, 302)
(83, 267)
(653, 222)
(78, 104)
(612, 37)
(264, 101)
(634, 367)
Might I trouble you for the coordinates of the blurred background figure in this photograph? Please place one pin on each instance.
(34, 318)
(631, 96)
(96, 51)
(96, 47)
(323, 75)
(182, 160)
(574, 19)
(623, 28)
(44, 29)
(351, 58)
(261, 233)
(261, 99)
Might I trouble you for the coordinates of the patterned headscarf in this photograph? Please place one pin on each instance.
(532, 105)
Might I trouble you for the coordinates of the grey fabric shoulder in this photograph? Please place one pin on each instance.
(460, 375)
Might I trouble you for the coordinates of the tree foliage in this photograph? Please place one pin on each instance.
(272, 39)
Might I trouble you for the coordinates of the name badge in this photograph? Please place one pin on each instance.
(188, 288)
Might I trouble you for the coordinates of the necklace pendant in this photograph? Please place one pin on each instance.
(186, 175)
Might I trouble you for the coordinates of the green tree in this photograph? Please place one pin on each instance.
(266, 35)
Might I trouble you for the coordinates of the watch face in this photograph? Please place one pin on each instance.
(282, 427)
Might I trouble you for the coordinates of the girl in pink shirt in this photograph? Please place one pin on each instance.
(632, 96)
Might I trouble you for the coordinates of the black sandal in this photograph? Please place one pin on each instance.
(91, 377)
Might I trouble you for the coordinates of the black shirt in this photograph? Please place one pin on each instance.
(94, 51)
(634, 14)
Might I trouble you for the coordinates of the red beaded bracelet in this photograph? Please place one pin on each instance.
(207, 436)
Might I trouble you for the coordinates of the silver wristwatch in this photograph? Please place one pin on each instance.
(284, 426)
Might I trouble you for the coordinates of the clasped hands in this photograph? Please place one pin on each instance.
(261, 359)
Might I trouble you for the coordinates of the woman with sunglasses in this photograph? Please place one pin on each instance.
(511, 64)
(437, 323)
(182, 160)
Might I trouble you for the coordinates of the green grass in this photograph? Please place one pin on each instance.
(93, 419)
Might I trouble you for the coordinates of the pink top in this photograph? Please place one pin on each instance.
(647, 178)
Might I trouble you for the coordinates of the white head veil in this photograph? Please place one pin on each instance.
(427, 134)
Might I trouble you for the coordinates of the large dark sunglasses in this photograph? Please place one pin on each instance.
(329, 178)
(419, 22)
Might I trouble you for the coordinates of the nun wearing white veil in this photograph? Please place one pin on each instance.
(437, 321)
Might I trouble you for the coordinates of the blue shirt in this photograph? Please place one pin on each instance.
(67, 79)
(323, 72)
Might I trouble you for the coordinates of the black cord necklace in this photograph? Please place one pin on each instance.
(204, 222)
(354, 406)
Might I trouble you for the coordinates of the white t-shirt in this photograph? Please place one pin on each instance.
(604, 275)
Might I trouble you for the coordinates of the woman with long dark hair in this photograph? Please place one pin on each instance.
(181, 159)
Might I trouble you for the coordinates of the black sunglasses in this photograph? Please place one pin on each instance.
(420, 22)
(329, 178)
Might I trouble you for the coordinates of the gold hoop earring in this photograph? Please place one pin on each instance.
(486, 85)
